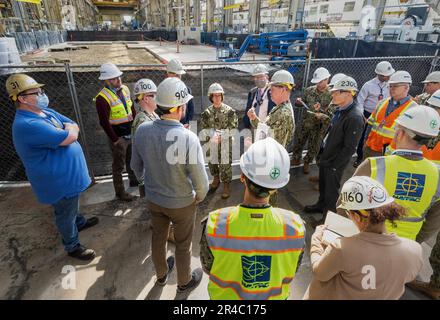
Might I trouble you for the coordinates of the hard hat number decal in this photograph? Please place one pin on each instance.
(349, 197)
(347, 84)
(182, 94)
(15, 85)
(145, 86)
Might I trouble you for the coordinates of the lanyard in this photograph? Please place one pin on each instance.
(404, 152)
(53, 121)
(380, 97)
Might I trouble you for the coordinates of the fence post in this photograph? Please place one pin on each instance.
(76, 108)
(201, 86)
(434, 61)
(306, 71)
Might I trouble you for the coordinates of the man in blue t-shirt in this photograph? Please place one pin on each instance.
(46, 143)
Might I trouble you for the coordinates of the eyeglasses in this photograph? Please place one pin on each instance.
(38, 93)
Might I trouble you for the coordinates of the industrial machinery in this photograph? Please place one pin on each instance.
(290, 45)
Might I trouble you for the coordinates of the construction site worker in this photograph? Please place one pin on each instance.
(412, 180)
(371, 93)
(116, 113)
(381, 123)
(175, 69)
(339, 144)
(432, 84)
(170, 158)
(145, 95)
(358, 267)
(280, 123)
(431, 150)
(252, 251)
(46, 142)
(259, 96)
(220, 119)
(315, 121)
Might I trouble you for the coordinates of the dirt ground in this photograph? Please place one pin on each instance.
(95, 54)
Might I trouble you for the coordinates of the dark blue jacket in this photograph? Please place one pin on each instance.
(189, 110)
(250, 99)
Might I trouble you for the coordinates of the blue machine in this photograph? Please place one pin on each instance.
(290, 45)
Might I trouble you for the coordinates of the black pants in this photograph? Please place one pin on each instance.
(360, 148)
(329, 184)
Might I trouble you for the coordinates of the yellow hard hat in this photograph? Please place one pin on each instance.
(17, 83)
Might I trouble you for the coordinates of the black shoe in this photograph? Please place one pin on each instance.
(134, 183)
(163, 281)
(196, 277)
(82, 253)
(90, 223)
(314, 208)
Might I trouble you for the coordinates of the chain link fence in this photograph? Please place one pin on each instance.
(72, 89)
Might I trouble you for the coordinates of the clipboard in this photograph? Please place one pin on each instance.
(337, 227)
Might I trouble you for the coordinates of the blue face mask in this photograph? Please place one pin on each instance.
(42, 101)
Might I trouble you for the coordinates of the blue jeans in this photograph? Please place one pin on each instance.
(68, 220)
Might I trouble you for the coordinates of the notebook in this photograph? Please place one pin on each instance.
(338, 226)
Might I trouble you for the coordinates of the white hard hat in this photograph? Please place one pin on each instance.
(282, 77)
(432, 77)
(266, 163)
(109, 71)
(421, 120)
(175, 66)
(144, 86)
(363, 193)
(320, 74)
(384, 68)
(346, 84)
(400, 77)
(215, 88)
(336, 78)
(260, 69)
(172, 92)
(434, 99)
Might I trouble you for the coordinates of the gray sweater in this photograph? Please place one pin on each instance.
(173, 161)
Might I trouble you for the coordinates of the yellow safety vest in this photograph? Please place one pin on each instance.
(256, 252)
(415, 186)
(118, 113)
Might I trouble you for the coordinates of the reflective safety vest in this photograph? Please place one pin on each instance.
(118, 113)
(256, 252)
(382, 127)
(432, 154)
(415, 186)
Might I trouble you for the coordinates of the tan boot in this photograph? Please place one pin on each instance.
(306, 168)
(120, 192)
(295, 162)
(214, 185)
(226, 190)
(426, 288)
(125, 197)
(171, 235)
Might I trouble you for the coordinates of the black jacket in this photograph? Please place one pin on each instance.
(189, 110)
(250, 99)
(342, 139)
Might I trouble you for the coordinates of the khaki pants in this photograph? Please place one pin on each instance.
(183, 220)
(121, 158)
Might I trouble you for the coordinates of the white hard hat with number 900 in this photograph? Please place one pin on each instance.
(172, 92)
(363, 193)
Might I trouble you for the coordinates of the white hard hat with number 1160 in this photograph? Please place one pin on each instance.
(422, 120)
(172, 92)
(109, 71)
(363, 193)
(267, 164)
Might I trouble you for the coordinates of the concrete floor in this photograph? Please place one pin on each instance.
(33, 264)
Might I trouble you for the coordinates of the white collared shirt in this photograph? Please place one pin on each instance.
(369, 95)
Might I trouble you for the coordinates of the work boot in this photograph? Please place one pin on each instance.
(89, 223)
(171, 235)
(124, 196)
(426, 288)
(226, 190)
(133, 183)
(314, 208)
(196, 277)
(306, 168)
(82, 253)
(141, 190)
(314, 179)
(121, 194)
(214, 185)
(295, 162)
(163, 281)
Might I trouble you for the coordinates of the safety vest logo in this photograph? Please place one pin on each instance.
(256, 271)
(409, 186)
